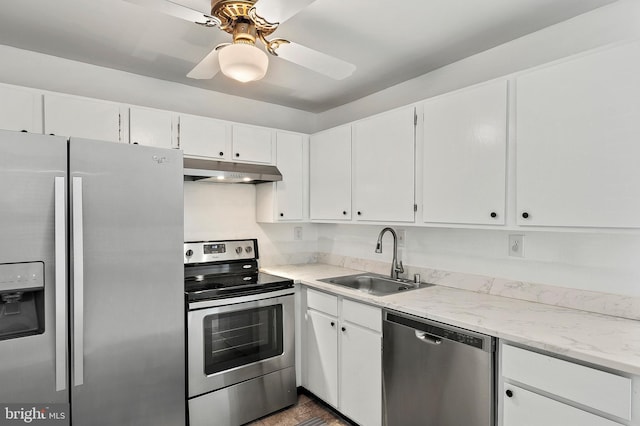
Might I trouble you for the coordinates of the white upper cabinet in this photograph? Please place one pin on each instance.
(82, 118)
(464, 156)
(204, 137)
(290, 162)
(151, 127)
(20, 109)
(383, 167)
(330, 174)
(284, 200)
(577, 126)
(252, 144)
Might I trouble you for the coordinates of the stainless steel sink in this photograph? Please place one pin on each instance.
(375, 284)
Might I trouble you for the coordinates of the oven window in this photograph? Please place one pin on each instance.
(237, 338)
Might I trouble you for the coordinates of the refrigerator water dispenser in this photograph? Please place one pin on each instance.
(21, 299)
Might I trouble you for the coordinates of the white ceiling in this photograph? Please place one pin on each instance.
(388, 41)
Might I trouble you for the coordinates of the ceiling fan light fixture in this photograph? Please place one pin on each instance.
(243, 62)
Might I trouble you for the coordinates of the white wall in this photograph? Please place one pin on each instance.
(602, 262)
(218, 211)
(606, 25)
(45, 72)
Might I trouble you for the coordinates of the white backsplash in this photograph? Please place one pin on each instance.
(594, 272)
(220, 211)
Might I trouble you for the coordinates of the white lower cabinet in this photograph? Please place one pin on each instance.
(343, 356)
(541, 390)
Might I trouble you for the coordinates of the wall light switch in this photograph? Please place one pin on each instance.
(516, 245)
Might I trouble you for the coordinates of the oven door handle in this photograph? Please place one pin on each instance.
(214, 303)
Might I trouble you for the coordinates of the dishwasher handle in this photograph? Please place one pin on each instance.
(427, 338)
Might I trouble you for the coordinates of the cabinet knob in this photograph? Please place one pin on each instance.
(359, 213)
(281, 214)
(494, 215)
(344, 329)
(344, 212)
(525, 215)
(221, 153)
(333, 324)
(24, 131)
(509, 393)
(237, 154)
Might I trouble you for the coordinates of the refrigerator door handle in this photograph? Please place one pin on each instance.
(78, 284)
(60, 238)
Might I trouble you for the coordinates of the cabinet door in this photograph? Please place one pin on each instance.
(20, 109)
(464, 158)
(252, 144)
(383, 167)
(525, 408)
(290, 162)
(577, 141)
(361, 374)
(151, 127)
(82, 118)
(204, 137)
(330, 174)
(322, 356)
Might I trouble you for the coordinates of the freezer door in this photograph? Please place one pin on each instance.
(127, 285)
(33, 369)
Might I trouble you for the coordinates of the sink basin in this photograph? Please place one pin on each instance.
(375, 284)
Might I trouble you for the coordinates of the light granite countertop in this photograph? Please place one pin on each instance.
(603, 340)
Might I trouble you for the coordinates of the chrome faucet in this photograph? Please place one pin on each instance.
(396, 267)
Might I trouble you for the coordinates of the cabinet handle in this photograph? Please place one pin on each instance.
(24, 131)
(281, 214)
(344, 328)
(359, 213)
(525, 215)
(237, 154)
(509, 393)
(494, 215)
(344, 212)
(221, 153)
(333, 324)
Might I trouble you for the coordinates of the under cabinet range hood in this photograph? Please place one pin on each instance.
(200, 170)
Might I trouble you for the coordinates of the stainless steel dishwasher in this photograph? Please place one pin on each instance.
(435, 374)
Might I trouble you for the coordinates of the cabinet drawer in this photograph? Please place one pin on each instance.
(361, 314)
(526, 408)
(600, 390)
(322, 302)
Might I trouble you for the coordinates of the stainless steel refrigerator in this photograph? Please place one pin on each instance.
(91, 279)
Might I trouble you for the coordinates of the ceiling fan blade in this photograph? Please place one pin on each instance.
(171, 8)
(278, 11)
(315, 61)
(207, 68)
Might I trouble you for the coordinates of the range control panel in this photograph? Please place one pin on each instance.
(214, 251)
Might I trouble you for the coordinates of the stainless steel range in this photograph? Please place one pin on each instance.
(240, 335)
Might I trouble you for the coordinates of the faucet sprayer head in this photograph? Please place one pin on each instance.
(379, 247)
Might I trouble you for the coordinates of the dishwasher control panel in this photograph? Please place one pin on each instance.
(445, 331)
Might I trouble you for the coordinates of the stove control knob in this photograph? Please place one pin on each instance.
(248, 249)
(238, 250)
(189, 253)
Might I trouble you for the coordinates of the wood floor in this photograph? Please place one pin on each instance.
(306, 412)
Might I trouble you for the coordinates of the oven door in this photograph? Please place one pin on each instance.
(245, 338)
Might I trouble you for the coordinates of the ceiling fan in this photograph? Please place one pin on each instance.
(250, 22)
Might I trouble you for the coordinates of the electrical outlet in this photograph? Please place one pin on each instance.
(402, 235)
(516, 245)
(297, 233)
